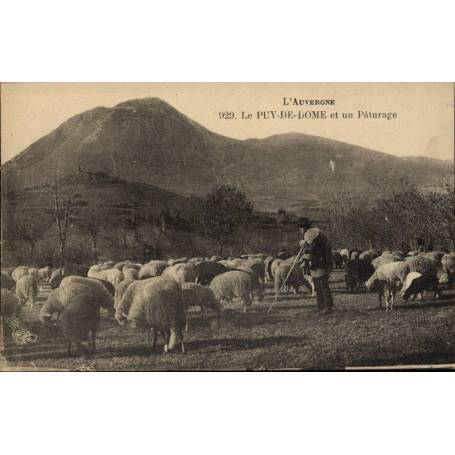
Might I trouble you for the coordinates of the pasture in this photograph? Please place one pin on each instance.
(292, 336)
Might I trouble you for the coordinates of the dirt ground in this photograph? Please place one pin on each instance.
(292, 336)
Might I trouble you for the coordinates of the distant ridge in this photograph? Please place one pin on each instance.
(149, 142)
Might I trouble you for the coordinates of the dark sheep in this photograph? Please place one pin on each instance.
(80, 317)
(425, 282)
(357, 272)
(337, 260)
(7, 282)
(207, 270)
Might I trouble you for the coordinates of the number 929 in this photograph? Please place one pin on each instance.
(226, 115)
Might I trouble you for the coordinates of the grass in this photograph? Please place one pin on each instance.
(292, 336)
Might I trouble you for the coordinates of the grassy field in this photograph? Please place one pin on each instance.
(292, 336)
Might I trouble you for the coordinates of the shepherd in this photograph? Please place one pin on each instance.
(317, 258)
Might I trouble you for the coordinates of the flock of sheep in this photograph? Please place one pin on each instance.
(157, 295)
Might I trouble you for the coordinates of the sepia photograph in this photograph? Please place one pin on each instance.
(227, 227)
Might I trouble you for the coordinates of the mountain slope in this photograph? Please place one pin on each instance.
(148, 141)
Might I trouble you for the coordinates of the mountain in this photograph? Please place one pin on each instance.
(148, 142)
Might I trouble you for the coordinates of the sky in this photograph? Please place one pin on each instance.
(424, 125)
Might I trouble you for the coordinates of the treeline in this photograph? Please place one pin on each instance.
(394, 220)
(66, 231)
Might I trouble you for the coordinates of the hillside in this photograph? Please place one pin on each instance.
(149, 142)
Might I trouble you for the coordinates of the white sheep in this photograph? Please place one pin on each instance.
(152, 269)
(27, 290)
(386, 280)
(181, 272)
(120, 290)
(156, 303)
(231, 285)
(130, 274)
(19, 272)
(423, 264)
(113, 276)
(72, 286)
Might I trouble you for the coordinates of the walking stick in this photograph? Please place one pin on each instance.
(286, 279)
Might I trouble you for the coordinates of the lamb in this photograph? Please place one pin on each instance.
(344, 252)
(7, 282)
(26, 290)
(158, 304)
(386, 279)
(182, 273)
(114, 276)
(151, 269)
(74, 285)
(207, 270)
(80, 316)
(234, 284)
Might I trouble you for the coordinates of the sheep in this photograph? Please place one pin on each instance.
(7, 282)
(385, 258)
(205, 271)
(344, 252)
(114, 276)
(56, 278)
(44, 274)
(120, 290)
(177, 261)
(126, 264)
(201, 296)
(417, 283)
(152, 268)
(233, 284)
(337, 260)
(295, 279)
(448, 264)
(356, 273)
(369, 255)
(130, 274)
(436, 255)
(80, 316)
(158, 304)
(267, 262)
(182, 273)
(386, 279)
(74, 285)
(11, 305)
(423, 264)
(19, 272)
(26, 290)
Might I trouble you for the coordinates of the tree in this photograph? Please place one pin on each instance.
(65, 203)
(92, 222)
(224, 211)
